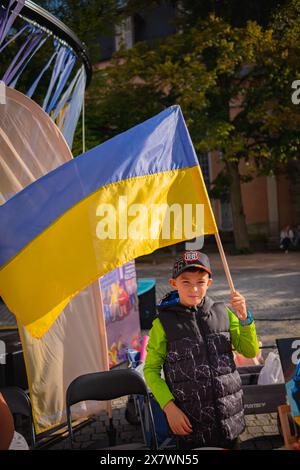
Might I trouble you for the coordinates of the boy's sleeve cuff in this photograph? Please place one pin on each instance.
(248, 320)
(163, 401)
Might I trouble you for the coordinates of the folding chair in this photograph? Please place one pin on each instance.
(19, 402)
(101, 386)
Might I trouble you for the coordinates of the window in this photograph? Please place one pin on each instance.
(226, 216)
(205, 167)
(124, 34)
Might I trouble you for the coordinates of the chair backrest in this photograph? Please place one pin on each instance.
(19, 402)
(108, 385)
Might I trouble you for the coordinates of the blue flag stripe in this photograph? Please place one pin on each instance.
(145, 149)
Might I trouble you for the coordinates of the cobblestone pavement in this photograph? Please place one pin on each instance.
(94, 435)
(270, 283)
(261, 432)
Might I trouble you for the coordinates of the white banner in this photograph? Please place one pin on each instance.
(31, 145)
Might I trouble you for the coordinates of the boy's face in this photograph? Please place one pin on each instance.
(191, 286)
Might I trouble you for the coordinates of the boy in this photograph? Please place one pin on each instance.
(191, 340)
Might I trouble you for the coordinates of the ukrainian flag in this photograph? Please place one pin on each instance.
(90, 215)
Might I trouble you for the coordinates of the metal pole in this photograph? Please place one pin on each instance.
(224, 261)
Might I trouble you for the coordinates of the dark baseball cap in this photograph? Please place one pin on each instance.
(191, 259)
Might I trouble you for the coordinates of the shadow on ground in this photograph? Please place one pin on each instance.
(263, 443)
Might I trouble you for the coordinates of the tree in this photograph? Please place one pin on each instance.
(235, 12)
(233, 85)
(89, 19)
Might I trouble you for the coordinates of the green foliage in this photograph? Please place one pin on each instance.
(217, 65)
(232, 83)
(89, 19)
(234, 12)
(220, 187)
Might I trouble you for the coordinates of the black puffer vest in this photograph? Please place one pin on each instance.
(200, 370)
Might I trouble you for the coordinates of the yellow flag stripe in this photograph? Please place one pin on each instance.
(38, 282)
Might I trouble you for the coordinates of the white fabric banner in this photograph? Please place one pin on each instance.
(31, 145)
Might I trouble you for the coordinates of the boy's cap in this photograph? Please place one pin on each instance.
(191, 259)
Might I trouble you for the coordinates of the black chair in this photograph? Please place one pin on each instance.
(101, 386)
(19, 403)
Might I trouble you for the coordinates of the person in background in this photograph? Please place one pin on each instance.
(286, 238)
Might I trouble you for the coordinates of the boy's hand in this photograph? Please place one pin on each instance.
(238, 304)
(178, 421)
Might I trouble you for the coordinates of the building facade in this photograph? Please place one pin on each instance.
(270, 203)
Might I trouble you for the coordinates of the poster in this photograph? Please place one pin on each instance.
(289, 352)
(120, 304)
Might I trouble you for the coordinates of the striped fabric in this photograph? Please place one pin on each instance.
(95, 213)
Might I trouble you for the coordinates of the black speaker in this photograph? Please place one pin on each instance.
(147, 302)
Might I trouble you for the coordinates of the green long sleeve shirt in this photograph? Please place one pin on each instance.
(243, 339)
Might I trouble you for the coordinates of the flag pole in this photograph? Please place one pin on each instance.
(224, 261)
